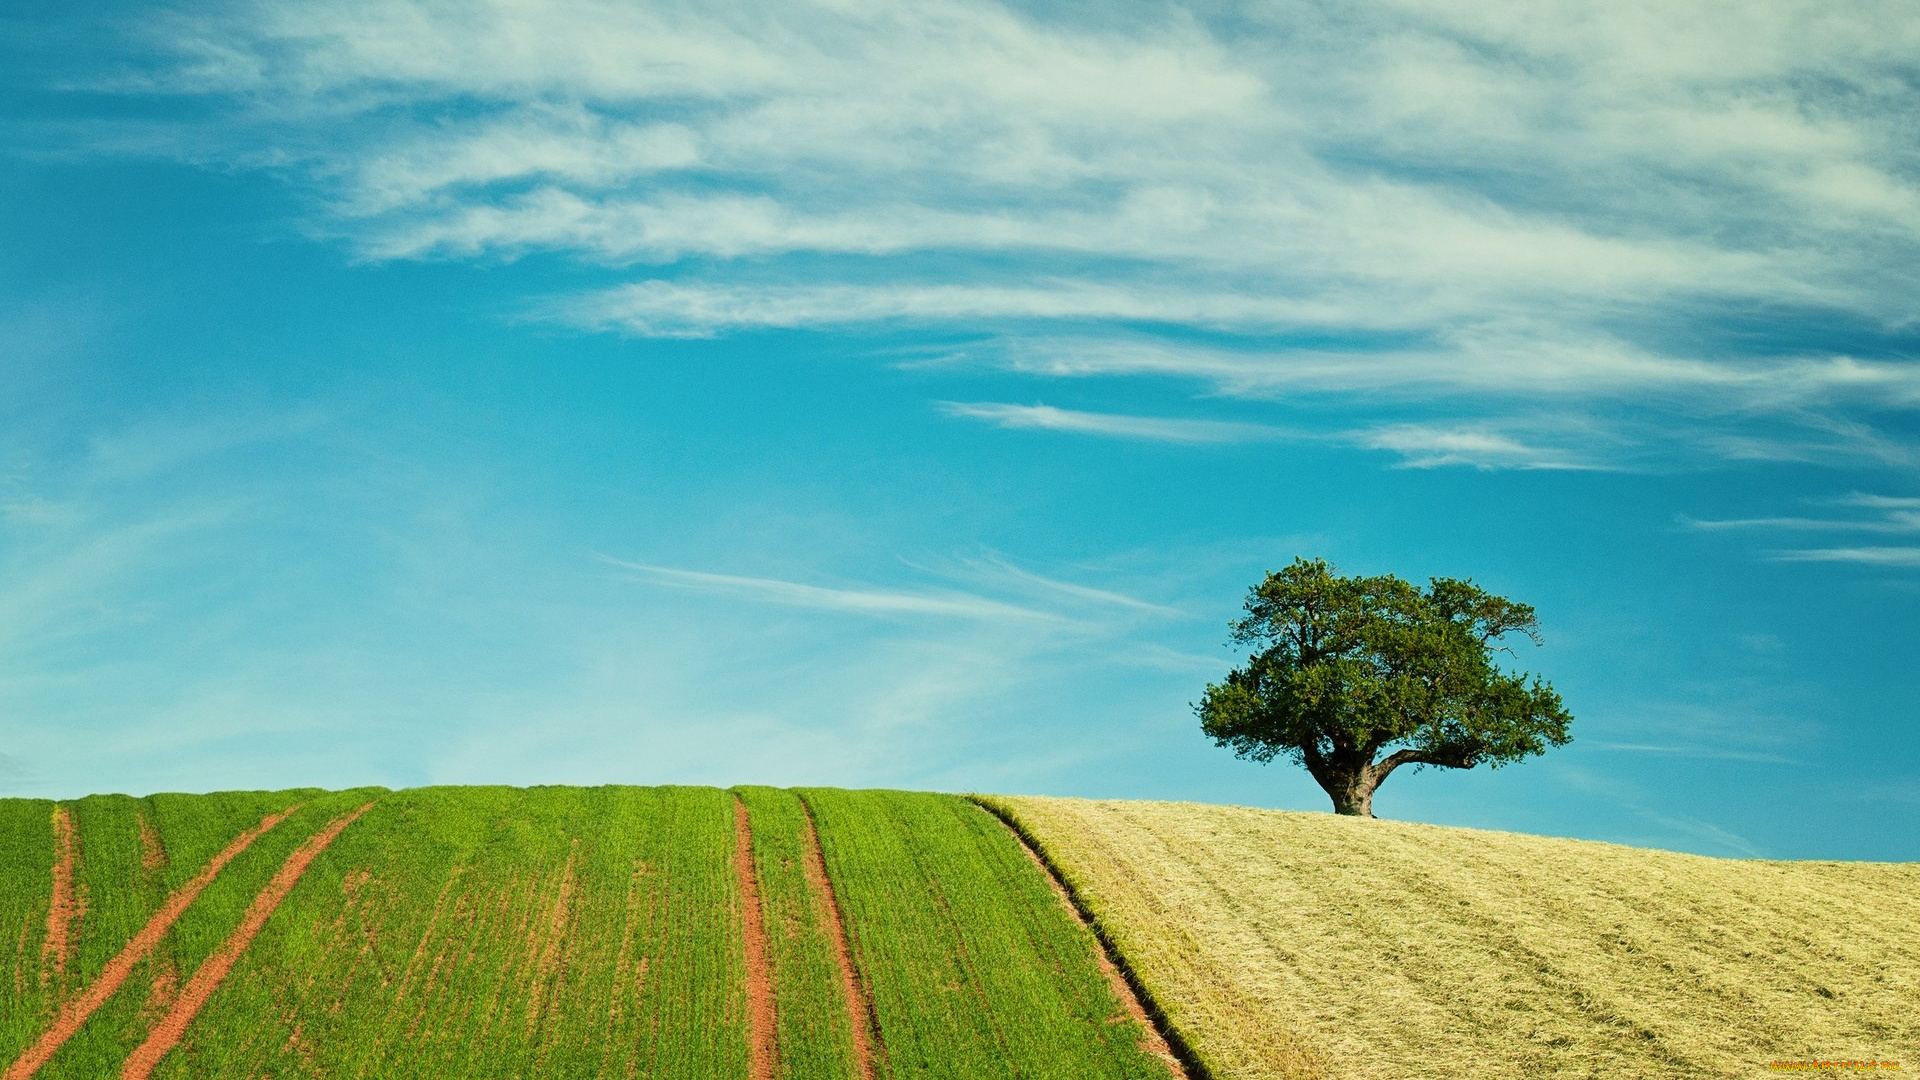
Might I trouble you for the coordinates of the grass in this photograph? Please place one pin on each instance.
(975, 968)
(1306, 945)
(26, 865)
(498, 932)
(815, 1024)
(125, 885)
(122, 875)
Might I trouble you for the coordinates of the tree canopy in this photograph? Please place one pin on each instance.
(1345, 669)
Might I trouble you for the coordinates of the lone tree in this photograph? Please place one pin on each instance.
(1347, 667)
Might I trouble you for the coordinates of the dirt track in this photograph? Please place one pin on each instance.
(117, 969)
(166, 1034)
(64, 910)
(759, 975)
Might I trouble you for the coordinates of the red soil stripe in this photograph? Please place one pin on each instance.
(759, 976)
(858, 1008)
(76, 1011)
(166, 1034)
(153, 853)
(63, 910)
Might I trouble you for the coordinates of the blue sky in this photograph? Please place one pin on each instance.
(882, 394)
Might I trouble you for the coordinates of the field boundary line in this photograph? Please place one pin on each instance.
(763, 1023)
(64, 907)
(207, 979)
(1158, 1035)
(75, 1013)
(865, 1027)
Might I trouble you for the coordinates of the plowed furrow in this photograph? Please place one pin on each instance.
(759, 972)
(63, 911)
(75, 1013)
(166, 1034)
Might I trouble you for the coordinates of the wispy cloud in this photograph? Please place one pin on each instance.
(823, 598)
(997, 570)
(1698, 831)
(1896, 515)
(1711, 752)
(1442, 203)
(1150, 428)
(1868, 556)
(1419, 446)
(1426, 446)
(696, 308)
(1480, 357)
(1806, 523)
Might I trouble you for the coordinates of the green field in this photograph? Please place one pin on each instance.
(822, 1035)
(975, 968)
(131, 855)
(547, 932)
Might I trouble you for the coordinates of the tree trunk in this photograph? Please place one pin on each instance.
(1351, 783)
(1351, 790)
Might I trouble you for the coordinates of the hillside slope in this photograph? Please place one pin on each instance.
(1307, 945)
(683, 933)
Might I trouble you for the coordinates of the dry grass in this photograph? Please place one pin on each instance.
(1305, 945)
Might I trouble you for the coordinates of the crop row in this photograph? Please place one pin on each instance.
(815, 1020)
(496, 932)
(974, 966)
(126, 856)
(491, 932)
(26, 876)
(133, 856)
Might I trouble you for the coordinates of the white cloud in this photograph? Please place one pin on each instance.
(1714, 753)
(1537, 199)
(1899, 514)
(1150, 428)
(1516, 361)
(1869, 556)
(1425, 446)
(1419, 445)
(680, 308)
(1880, 502)
(820, 598)
(1906, 522)
(997, 571)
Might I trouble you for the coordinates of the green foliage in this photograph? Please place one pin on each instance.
(1346, 667)
(975, 967)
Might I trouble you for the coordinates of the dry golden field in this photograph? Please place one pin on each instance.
(1300, 945)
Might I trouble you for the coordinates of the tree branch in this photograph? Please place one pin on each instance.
(1459, 759)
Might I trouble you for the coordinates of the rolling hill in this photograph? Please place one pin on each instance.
(822, 934)
(544, 932)
(1300, 945)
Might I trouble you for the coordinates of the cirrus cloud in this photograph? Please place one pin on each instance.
(1709, 210)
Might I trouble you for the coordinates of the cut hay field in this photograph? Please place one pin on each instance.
(694, 933)
(1303, 946)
